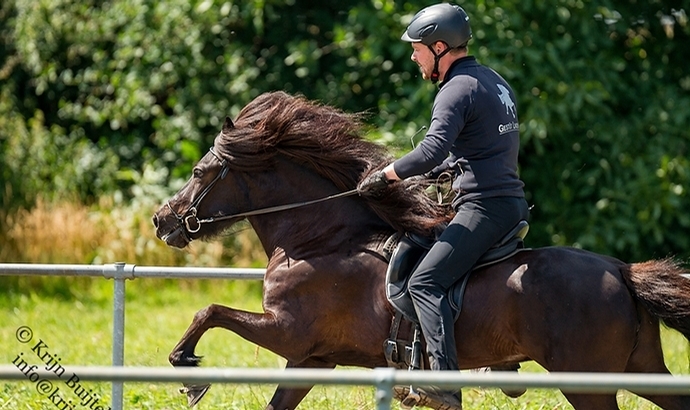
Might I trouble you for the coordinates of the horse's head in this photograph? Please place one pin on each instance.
(189, 213)
(286, 150)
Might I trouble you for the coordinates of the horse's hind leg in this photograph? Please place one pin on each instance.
(289, 398)
(648, 357)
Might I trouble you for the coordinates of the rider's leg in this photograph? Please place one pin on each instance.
(476, 226)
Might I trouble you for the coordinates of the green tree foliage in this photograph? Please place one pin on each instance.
(94, 93)
(605, 123)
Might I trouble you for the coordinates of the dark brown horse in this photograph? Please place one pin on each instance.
(323, 297)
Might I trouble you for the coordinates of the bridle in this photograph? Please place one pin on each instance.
(191, 224)
(190, 213)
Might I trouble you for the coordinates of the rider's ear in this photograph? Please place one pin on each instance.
(440, 46)
(228, 125)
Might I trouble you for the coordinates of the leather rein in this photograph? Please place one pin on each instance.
(191, 223)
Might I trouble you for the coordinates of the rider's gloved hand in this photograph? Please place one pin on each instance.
(438, 171)
(373, 185)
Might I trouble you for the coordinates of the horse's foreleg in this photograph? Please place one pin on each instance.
(286, 398)
(263, 329)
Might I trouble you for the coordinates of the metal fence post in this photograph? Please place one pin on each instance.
(121, 273)
(385, 378)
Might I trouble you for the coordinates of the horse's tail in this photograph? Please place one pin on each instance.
(663, 290)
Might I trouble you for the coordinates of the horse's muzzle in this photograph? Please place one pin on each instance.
(174, 234)
(177, 238)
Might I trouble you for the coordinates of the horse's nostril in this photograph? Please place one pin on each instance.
(155, 221)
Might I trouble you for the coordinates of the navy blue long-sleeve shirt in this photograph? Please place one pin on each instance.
(475, 131)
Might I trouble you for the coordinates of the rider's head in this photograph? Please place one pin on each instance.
(444, 23)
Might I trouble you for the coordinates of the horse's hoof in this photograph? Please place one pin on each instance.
(184, 360)
(194, 392)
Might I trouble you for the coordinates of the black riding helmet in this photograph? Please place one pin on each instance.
(441, 22)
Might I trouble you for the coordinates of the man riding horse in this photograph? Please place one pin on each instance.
(474, 134)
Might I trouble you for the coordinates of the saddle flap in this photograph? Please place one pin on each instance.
(405, 258)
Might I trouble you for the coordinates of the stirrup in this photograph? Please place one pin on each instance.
(411, 399)
(427, 396)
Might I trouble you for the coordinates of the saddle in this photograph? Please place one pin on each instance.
(407, 252)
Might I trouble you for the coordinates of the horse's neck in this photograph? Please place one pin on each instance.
(321, 226)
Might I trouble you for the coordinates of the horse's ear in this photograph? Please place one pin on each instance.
(228, 125)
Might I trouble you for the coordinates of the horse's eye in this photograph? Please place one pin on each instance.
(198, 173)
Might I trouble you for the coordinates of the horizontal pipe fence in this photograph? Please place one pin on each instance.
(383, 379)
(120, 272)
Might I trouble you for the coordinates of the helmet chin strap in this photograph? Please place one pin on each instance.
(435, 74)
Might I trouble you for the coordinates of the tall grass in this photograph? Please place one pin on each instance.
(68, 232)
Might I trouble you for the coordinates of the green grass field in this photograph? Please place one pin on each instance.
(77, 329)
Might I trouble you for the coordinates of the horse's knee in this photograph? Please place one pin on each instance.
(205, 313)
(175, 357)
(183, 353)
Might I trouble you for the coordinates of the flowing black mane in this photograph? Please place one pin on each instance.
(329, 141)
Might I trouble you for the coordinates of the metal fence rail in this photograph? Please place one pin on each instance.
(120, 272)
(383, 379)
(127, 271)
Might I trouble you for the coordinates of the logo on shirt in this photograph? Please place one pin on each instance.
(504, 96)
(509, 127)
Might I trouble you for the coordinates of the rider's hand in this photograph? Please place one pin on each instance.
(373, 185)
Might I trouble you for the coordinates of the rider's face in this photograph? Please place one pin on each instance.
(424, 59)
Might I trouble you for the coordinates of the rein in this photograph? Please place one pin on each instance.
(277, 208)
(189, 217)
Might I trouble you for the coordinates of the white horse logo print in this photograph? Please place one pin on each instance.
(504, 96)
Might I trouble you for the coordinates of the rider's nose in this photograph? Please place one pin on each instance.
(155, 221)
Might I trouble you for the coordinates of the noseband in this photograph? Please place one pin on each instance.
(190, 213)
(189, 218)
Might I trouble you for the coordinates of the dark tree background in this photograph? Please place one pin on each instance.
(110, 97)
